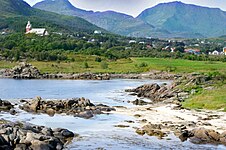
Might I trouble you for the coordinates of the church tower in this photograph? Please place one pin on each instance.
(28, 27)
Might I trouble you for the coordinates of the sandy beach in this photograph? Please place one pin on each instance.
(166, 113)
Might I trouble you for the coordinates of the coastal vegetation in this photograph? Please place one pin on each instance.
(87, 63)
(208, 99)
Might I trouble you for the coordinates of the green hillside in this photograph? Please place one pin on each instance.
(15, 14)
(180, 18)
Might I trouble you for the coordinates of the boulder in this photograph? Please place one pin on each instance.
(35, 104)
(203, 136)
(50, 112)
(21, 136)
(151, 130)
(40, 145)
(139, 102)
(66, 133)
(12, 111)
(5, 105)
(21, 147)
(78, 107)
(86, 114)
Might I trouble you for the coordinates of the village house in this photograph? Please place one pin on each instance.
(132, 41)
(224, 50)
(214, 53)
(37, 31)
(97, 32)
(192, 51)
(168, 48)
(141, 42)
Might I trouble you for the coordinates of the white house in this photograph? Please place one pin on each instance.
(142, 42)
(132, 41)
(215, 53)
(97, 32)
(37, 31)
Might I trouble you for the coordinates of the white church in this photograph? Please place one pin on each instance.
(37, 31)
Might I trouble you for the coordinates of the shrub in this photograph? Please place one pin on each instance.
(98, 59)
(86, 65)
(104, 65)
(171, 68)
(141, 65)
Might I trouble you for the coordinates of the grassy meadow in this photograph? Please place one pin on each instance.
(208, 99)
(131, 65)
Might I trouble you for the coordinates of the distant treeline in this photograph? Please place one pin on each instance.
(57, 47)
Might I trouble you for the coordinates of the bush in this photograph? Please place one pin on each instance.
(141, 65)
(72, 59)
(86, 65)
(171, 68)
(98, 59)
(104, 65)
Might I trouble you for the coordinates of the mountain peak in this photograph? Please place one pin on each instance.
(173, 3)
(165, 19)
(62, 3)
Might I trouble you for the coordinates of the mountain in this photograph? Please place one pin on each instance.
(165, 20)
(112, 21)
(180, 18)
(14, 15)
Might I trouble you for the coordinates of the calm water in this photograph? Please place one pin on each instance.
(110, 92)
(98, 132)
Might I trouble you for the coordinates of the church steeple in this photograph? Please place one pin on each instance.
(28, 27)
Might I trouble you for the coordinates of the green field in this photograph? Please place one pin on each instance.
(209, 99)
(132, 65)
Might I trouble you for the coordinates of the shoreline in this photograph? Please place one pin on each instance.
(153, 75)
(27, 71)
(162, 113)
(165, 114)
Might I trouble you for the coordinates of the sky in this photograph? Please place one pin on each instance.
(133, 7)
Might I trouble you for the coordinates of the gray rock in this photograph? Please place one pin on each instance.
(86, 114)
(40, 145)
(12, 111)
(66, 133)
(21, 147)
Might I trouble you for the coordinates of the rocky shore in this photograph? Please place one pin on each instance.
(78, 107)
(164, 114)
(155, 75)
(204, 136)
(160, 116)
(161, 120)
(176, 92)
(27, 71)
(23, 136)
